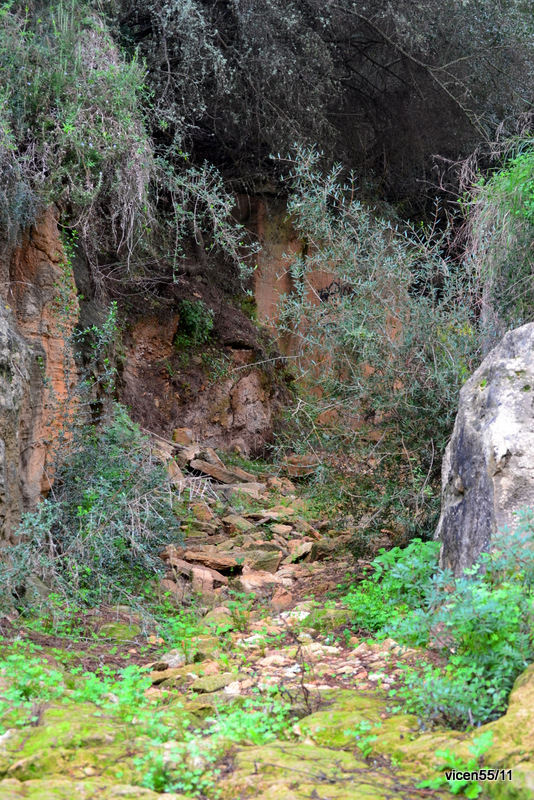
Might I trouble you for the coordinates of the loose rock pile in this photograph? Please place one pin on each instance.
(265, 551)
(292, 650)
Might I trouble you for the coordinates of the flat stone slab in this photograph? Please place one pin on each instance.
(213, 683)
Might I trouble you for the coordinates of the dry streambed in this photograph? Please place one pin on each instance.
(341, 738)
(339, 695)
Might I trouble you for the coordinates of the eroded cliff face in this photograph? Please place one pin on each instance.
(266, 217)
(38, 312)
(15, 377)
(229, 395)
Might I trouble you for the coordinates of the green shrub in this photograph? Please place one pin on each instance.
(71, 112)
(387, 345)
(370, 605)
(500, 212)
(401, 580)
(99, 536)
(481, 623)
(514, 183)
(405, 573)
(74, 131)
(452, 697)
(196, 322)
(30, 678)
(485, 634)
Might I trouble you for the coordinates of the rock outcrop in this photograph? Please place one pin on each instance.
(488, 468)
(229, 395)
(15, 370)
(39, 308)
(36, 286)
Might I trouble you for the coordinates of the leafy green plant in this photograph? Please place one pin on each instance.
(196, 323)
(481, 623)
(484, 633)
(179, 628)
(27, 679)
(258, 721)
(370, 606)
(400, 580)
(468, 788)
(240, 607)
(364, 737)
(453, 697)
(514, 184)
(188, 766)
(122, 693)
(404, 573)
(59, 617)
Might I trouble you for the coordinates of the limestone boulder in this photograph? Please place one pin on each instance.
(488, 468)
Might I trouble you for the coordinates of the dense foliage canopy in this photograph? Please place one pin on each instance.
(382, 85)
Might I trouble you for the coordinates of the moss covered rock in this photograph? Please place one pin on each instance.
(399, 737)
(513, 742)
(207, 647)
(120, 631)
(206, 705)
(178, 676)
(58, 788)
(299, 771)
(219, 621)
(328, 619)
(212, 683)
(337, 726)
(68, 739)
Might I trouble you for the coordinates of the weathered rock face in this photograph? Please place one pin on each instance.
(266, 217)
(225, 399)
(15, 369)
(488, 468)
(35, 288)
